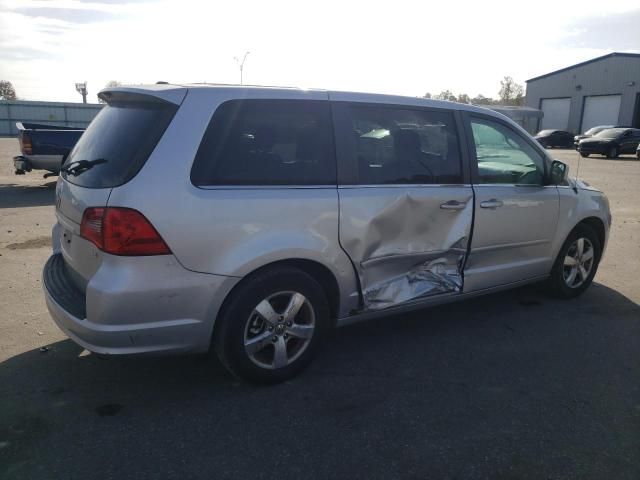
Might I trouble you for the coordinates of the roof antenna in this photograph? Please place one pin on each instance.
(575, 185)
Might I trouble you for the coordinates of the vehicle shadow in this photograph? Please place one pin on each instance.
(624, 158)
(620, 158)
(502, 384)
(15, 195)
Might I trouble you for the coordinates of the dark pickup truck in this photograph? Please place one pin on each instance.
(44, 147)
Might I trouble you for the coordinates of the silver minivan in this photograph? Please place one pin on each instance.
(252, 220)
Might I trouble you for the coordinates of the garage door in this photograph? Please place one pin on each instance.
(556, 113)
(600, 110)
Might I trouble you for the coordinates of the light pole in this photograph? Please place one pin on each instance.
(81, 88)
(241, 64)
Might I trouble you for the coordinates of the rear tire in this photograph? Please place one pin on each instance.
(585, 155)
(272, 325)
(577, 263)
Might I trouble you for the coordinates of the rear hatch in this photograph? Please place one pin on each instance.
(121, 138)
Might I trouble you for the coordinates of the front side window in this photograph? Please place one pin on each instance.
(405, 146)
(504, 156)
(267, 142)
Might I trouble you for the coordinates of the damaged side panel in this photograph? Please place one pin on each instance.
(406, 243)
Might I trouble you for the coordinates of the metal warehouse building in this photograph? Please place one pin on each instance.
(48, 113)
(601, 91)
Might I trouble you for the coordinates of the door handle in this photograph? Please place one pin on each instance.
(453, 205)
(493, 203)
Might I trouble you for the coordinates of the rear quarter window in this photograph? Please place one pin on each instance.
(124, 134)
(267, 142)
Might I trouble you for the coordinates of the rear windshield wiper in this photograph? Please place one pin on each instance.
(79, 166)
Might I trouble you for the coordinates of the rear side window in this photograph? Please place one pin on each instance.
(124, 134)
(405, 146)
(267, 142)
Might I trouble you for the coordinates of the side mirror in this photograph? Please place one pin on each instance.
(559, 173)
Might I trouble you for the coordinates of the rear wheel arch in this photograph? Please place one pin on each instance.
(322, 275)
(316, 270)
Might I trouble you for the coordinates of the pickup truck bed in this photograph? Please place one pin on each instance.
(44, 147)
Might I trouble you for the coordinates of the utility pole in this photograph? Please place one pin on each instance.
(241, 64)
(81, 88)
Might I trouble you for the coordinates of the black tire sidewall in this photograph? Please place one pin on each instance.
(557, 284)
(230, 326)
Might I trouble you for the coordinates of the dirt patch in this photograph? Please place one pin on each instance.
(38, 242)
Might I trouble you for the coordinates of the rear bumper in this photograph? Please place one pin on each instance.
(597, 149)
(134, 310)
(51, 163)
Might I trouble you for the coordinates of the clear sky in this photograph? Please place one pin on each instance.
(402, 47)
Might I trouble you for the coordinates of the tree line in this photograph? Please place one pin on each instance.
(7, 92)
(511, 93)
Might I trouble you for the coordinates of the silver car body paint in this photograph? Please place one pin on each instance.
(388, 247)
(242, 228)
(512, 242)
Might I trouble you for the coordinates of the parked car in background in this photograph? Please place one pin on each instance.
(611, 142)
(554, 138)
(252, 220)
(590, 133)
(44, 147)
(638, 151)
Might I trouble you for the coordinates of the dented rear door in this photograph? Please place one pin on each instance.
(406, 210)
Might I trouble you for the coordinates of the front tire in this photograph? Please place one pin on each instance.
(585, 155)
(577, 263)
(613, 153)
(272, 325)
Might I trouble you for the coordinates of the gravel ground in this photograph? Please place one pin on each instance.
(509, 386)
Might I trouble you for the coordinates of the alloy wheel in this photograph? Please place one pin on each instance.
(279, 329)
(578, 262)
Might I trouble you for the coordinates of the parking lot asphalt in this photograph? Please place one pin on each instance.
(513, 385)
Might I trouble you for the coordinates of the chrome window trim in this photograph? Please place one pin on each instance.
(406, 185)
(266, 187)
(382, 185)
(513, 185)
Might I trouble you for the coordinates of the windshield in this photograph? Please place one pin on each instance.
(594, 130)
(124, 135)
(610, 133)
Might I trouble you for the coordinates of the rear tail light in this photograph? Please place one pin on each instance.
(121, 231)
(25, 144)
